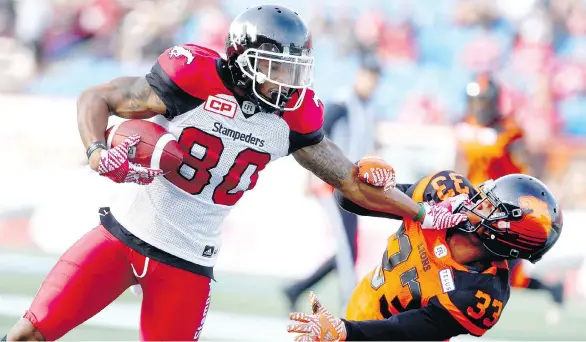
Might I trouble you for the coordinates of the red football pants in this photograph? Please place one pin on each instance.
(97, 269)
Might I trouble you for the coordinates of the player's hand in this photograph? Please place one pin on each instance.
(373, 170)
(455, 203)
(442, 216)
(114, 164)
(319, 326)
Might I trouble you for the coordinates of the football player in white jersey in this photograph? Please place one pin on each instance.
(232, 117)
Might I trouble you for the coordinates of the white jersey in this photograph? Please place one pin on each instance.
(226, 143)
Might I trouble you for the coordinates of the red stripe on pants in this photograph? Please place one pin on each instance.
(97, 269)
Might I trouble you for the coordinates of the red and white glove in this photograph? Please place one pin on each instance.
(453, 203)
(373, 170)
(114, 164)
(320, 326)
(441, 215)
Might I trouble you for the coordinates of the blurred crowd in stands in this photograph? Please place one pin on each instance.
(430, 50)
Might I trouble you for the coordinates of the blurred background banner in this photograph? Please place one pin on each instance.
(51, 50)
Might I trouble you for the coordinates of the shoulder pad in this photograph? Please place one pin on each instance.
(193, 69)
(309, 117)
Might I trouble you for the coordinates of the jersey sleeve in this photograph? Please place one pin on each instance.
(306, 122)
(479, 298)
(475, 310)
(184, 76)
(430, 323)
(466, 311)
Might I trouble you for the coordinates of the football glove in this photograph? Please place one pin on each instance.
(373, 170)
(319, 326)
(442, 215)
(114, 164)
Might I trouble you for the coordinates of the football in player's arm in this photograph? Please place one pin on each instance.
(518, 217)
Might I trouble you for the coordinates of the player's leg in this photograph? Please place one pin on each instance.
(88, 276)
(556, 291)
(350, 222)
(295, 290)
(175, 303)
(519, 278)
(346, 254)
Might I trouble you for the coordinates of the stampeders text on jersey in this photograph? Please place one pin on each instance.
(235, 135)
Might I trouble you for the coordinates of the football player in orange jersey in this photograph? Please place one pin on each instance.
(492, 146)
(437, 284)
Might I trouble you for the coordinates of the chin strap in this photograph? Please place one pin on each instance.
(467, 227)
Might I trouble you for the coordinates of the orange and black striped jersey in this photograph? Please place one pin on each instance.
(418, 291)
(487, 150)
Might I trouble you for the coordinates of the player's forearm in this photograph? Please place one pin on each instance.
(390, 330)
(330, 164)
(92, 117)
(352, 207)
(426, 324)
(393, 202)
(126, 97)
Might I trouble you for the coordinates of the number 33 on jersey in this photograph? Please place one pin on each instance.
(417, 270)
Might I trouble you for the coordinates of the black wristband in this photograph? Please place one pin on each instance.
(94, 146)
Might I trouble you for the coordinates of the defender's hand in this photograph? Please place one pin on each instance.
(457, 202)
(114, 164)
(441, 215)
(373, 170)
(320, 326)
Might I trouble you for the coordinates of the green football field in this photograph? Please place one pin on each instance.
(256, 305)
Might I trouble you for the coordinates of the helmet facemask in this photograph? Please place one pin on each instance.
(289, 71)
(498, 237)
